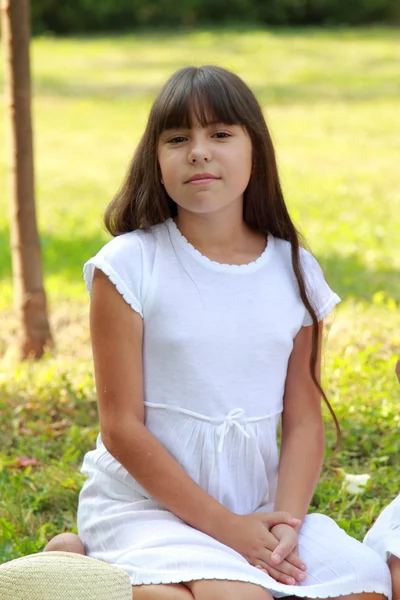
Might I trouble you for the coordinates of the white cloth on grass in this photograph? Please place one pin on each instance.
(217, 340)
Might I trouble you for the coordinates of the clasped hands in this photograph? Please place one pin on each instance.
(268, 541)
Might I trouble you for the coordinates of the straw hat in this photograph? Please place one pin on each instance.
(62, 576)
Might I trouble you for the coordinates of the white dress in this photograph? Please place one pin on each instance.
(384, 535)
(217, 339)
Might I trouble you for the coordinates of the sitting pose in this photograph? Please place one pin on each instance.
(206, 323)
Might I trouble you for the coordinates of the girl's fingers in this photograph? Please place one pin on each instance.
(270, 541)
(272, 544)
(282, 551)
(277, 518)
(285, 568)
(277, 575)
(294, 560)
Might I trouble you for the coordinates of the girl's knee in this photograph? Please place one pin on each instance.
(65, 542)
(227, 590)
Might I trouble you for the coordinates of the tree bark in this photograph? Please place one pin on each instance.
(30, 297)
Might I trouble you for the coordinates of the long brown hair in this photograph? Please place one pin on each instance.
(211, 93)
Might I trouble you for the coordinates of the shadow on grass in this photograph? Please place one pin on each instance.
(52, 86)
(349, 276)
(350, 78)
(167, 35)
(60, 256)
(321, 90)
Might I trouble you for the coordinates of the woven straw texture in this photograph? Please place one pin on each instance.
(62, 576)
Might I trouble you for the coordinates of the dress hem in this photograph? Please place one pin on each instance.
(279, 590)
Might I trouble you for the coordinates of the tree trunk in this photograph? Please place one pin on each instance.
(30, 297)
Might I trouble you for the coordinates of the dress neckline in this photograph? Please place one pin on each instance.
(178, 238)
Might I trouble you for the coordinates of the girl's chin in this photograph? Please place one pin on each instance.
(203, 210)
(202, 203)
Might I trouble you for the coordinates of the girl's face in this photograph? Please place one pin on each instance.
(205, 169)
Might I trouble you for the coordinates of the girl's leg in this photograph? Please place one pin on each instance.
(227, 590)
(202, 590)
(161, 592)
(394, 565)
(65, 542)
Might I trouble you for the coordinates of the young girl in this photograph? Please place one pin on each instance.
(204, 321)
(384, 536)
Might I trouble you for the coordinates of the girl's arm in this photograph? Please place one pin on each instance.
(302, 446)
(117, 338)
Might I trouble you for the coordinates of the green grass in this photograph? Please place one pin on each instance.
(332, 102)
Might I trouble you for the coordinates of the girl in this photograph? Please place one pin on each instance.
(384, 536)
(205, 333)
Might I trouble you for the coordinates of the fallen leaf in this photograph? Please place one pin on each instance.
(24, 461)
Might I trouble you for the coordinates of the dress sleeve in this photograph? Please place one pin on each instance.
(322, 298)
(122, 261)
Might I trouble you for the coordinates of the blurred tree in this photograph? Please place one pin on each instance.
(30, 297)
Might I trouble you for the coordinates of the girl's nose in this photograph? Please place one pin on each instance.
(199, 153)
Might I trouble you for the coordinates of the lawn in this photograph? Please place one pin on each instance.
(331, 99)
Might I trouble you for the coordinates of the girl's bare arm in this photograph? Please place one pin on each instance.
(117, 337)
(302, 447)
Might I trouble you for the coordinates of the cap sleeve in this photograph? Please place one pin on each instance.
(122, 261)
(322, 298)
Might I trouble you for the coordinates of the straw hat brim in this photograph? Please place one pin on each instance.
(62, 576)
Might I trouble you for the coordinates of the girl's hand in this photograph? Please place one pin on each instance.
(285, 551)
(287, 538)
(251, 537)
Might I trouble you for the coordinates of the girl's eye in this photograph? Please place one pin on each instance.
(178, 139)
(220, 135)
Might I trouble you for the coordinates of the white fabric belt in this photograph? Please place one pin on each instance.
(224, 425)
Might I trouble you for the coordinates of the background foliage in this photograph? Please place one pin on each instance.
(107, 15)
(337, 144)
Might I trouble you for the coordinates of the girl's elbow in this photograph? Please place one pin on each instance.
(109, 438)
(115, 432)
